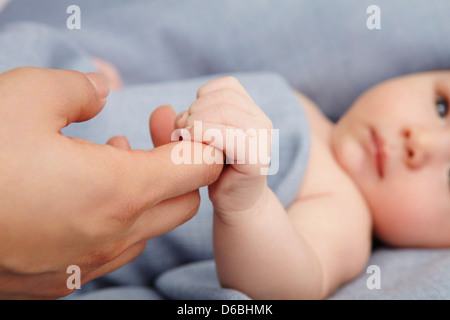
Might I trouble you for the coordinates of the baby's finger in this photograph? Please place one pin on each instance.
(233, 142)
(180, 120)
(225, 97)
(241, 147)
(222, 83)
(228, 115)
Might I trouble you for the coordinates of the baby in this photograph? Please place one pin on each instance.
(383, 168)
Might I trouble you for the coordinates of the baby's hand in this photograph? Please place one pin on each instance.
(230, 121)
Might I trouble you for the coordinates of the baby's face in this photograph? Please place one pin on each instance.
(395, 144)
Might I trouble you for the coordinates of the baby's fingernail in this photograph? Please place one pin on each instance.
(100, 84)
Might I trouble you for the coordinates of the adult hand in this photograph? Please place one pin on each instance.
(67, 201)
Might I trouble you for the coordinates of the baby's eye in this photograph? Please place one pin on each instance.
(448, 177)
(442, 107)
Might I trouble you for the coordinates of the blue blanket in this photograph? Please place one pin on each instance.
(321, 49)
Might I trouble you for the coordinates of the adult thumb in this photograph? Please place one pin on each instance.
(52, 99)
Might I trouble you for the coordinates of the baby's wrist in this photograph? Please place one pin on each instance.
(237, 215)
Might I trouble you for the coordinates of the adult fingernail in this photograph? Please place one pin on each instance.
(99, 83)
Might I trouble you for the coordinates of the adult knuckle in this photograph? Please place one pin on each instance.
(127, 213)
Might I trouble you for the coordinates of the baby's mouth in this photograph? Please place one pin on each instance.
(377, 148)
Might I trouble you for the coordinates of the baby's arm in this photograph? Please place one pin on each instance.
(260, 248)
(261, 254)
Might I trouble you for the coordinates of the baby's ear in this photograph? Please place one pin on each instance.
(162, 125)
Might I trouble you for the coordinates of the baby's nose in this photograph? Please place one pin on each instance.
(418, 145)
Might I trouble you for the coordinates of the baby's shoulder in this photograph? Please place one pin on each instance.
(319, 124)
(324, 176)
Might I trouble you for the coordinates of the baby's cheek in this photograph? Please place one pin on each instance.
(351, 155)
(390, 225)
(401, 220)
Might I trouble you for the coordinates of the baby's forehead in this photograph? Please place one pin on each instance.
(434, 74)
(437, 78)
